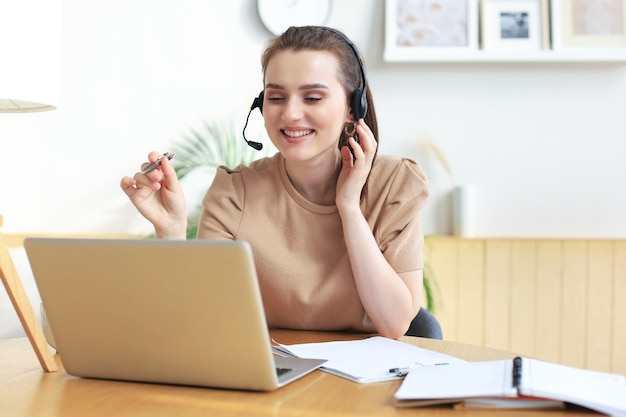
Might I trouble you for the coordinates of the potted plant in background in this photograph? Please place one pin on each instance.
(215, 144)
(202, 151)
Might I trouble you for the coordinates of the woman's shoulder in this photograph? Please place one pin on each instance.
(256, 167)
(398, 178)
(387, 166)
(263, 172)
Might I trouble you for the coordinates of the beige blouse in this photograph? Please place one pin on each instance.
(302, 264)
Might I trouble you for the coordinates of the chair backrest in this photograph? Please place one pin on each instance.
(425, 325)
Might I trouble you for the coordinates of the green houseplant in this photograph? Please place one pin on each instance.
(216, 144)
(205, 149)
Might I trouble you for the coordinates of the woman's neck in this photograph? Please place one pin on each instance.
(315, 180)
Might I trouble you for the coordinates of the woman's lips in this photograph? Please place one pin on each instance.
(295, 136)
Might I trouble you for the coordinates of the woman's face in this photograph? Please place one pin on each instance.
(305, 105)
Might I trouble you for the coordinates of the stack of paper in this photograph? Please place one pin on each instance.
(369, 360)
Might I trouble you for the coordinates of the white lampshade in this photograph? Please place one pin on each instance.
(8, 105)
(30, 52)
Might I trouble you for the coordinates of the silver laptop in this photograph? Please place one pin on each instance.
(162, 311)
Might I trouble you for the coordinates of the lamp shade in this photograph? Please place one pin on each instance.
(30, 52)
(8, 105)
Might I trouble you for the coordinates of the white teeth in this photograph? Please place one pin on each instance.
(298, 133)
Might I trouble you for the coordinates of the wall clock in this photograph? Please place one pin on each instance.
(278, 15)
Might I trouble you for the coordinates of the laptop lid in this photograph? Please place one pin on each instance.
(152, 310)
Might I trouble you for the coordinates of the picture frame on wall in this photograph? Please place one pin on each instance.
(515, 25)
(588, 24)
(414, 28)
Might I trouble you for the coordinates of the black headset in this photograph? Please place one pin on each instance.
(358, 100)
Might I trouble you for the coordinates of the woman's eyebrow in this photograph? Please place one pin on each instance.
(275, 86)
(311, 86)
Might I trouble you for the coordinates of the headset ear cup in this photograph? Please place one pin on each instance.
(359, 104)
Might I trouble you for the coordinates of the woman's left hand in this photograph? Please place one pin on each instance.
(390, 300)
(355, 169)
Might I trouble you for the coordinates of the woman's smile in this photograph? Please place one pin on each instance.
(297, 135)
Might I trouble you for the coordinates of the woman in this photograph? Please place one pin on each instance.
(336, 233)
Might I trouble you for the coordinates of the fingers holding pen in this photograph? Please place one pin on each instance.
(152, 173)
(168, 175)
(150, 176)
(157, 194)
(155, 161)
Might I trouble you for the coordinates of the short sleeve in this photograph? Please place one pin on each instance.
(222, 206)
(402, 190)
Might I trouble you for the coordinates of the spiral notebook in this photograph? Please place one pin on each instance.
(514, 383)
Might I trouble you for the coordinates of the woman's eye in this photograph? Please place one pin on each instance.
(281, 98)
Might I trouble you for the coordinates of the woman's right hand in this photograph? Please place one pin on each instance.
(159, 198)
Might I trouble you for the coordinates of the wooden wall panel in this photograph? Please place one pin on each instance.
(618, 332)
(548, 300)
(471, 292)
(497, 294)
(562, 300)
(441, 255)
(523, 284)
(574, 306)
(599, 308)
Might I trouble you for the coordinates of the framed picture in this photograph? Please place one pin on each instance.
(415, 27)
(515, 25)
(588, 23)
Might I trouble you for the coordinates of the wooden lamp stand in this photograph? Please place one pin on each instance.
(23, 308)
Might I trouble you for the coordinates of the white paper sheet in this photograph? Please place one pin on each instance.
(368, 360)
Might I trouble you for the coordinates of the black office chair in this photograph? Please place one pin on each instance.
(425, 325)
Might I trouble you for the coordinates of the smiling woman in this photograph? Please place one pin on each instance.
(305, 105)
(335, 231)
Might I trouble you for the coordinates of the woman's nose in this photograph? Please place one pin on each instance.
(292, 110)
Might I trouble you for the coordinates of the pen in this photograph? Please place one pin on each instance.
(157, 163)
(405, 371)
(400, 371)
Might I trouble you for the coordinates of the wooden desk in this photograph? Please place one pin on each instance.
(26, 391)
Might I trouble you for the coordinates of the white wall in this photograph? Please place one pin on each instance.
(543, 143)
